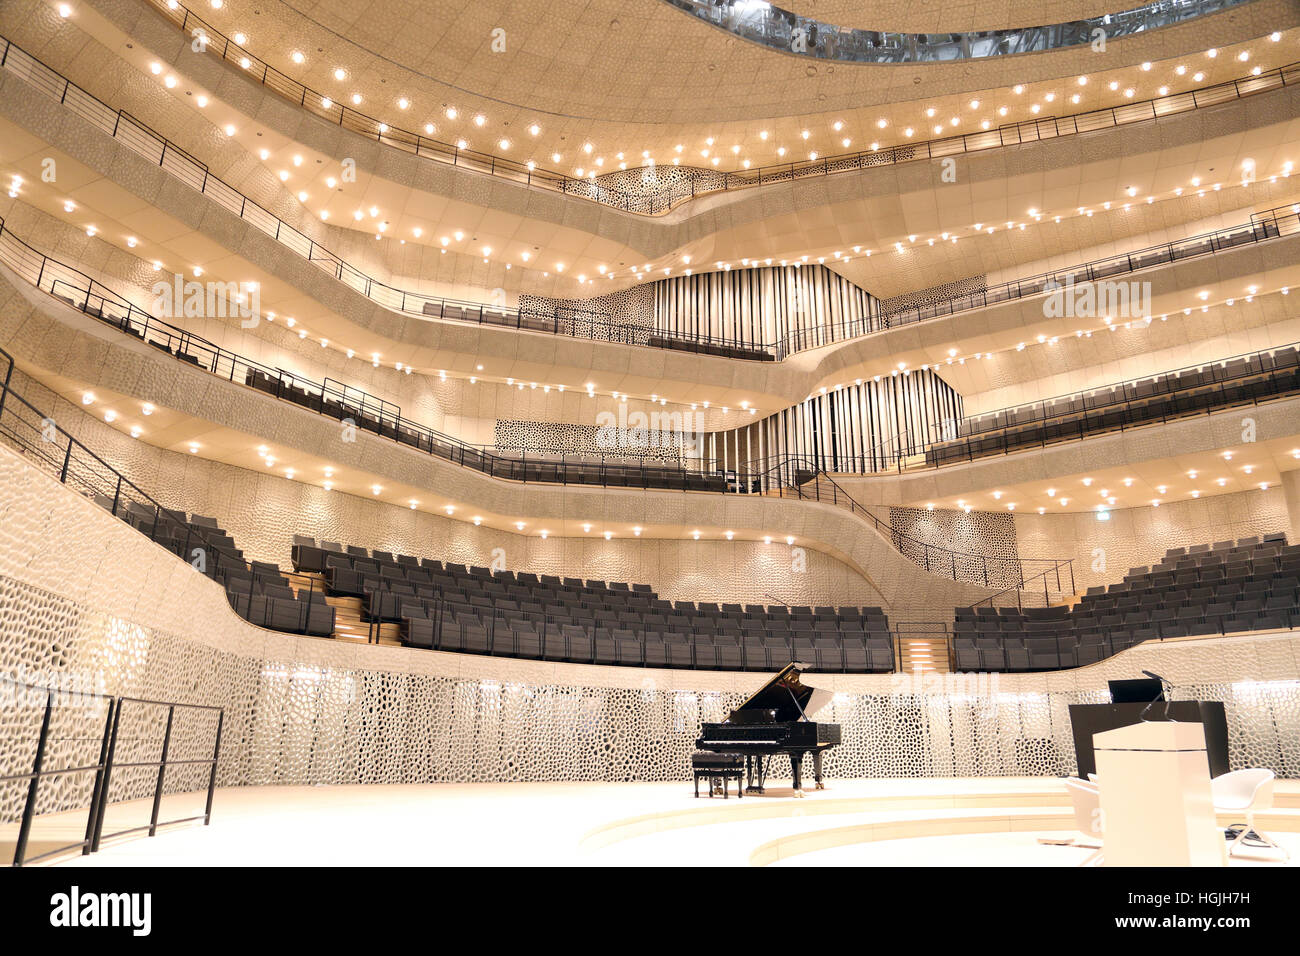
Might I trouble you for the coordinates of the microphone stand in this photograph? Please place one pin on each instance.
(1165, 689)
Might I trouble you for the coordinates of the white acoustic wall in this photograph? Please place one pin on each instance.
(86, 600)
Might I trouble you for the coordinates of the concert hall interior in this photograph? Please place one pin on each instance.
(650, 432)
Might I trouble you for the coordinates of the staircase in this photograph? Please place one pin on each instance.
(348, 625)
(923, 652)
(1036, 576)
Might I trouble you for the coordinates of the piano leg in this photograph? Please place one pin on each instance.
(817, 769)
(796, 764)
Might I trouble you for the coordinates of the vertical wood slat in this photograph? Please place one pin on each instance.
(760, 306)
(859, 428)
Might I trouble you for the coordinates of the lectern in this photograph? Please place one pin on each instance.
(1157, 807)
(1089, 720)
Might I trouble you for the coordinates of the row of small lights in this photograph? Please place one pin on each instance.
(902, 368)
(111, 417)
(1112, 500)
(640, 273)
(359, 214)
(1248, 168)
(328, 483)
(269, 460)
(1109, 325)
(839, 257)
(270, 316)
(709, 152)
(147, 409)
(590, 387)
(170, 81)
(1035, 216)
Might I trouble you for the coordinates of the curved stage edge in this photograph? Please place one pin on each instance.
(947, 821)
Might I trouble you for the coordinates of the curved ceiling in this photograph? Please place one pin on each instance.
(578, 147)
(617, 72)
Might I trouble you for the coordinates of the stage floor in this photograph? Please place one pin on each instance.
(970, 821)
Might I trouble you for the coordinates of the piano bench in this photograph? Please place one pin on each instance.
(718, 767)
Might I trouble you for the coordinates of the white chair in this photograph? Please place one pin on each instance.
(1085, 797)
(1245, 791)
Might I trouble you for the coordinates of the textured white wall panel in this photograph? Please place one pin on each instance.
(84, 597)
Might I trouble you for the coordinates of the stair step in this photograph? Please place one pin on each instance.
(923, 654)
(348, 625)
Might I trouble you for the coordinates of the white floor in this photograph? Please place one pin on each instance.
(997, 849)
(984, 821)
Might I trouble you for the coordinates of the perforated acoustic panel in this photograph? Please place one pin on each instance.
(86, 602)
(933, 295)
(985, 539)
(572, 439)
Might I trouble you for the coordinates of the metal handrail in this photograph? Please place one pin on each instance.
(705, 181)
(103, 769)
(777, 473)
(1023, 586)
(39, 772)
(566, 320)
(45, 441)
(162, 763)
(786, 468)
(143, 140)
(1123, 411)
(1262, 227)
(957, 561)
(339, 399)
(890, 456)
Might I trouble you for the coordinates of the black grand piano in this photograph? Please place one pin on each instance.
(775, 721)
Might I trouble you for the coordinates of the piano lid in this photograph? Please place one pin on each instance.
(784, 696)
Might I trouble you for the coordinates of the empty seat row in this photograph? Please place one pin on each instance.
(1252, 584)
(576, 642)
(1244, 379)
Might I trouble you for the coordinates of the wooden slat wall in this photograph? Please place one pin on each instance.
(809, 305)
(857, 428)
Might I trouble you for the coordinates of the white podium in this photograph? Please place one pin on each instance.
(1157, 807)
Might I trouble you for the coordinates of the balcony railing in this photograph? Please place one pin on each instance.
(83, 731)
(25, 428)
(1126, 405)
(581, 323)
(660, 197)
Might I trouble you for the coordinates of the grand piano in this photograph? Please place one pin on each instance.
(775, 721)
